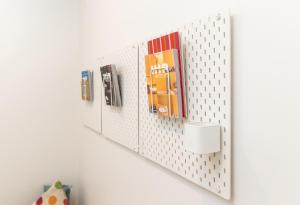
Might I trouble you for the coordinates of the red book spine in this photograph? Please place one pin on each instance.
(156, 45)
(150, 47)
(165, 42)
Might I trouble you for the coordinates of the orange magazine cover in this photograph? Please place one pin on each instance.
(163, 43)
(162, 74)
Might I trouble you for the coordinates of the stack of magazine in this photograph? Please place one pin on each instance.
(111, 84)
(164, 75)
(87, 85)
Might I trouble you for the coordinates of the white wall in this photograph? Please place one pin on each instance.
(40, 123)
(266, 103)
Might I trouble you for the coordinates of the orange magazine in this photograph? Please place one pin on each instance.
(167, 42)
(162, 74)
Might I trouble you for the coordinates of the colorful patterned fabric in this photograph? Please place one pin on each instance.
(54, 196)
(66, 188)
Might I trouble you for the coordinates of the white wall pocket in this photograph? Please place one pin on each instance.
(201, 138)
(207, 47)
(120, 124)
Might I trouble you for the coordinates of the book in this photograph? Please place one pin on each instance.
(111, 84)
(168, 42)
(107, 84)
(87, 85)
(163, 83)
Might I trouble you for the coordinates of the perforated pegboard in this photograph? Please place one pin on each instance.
(121, 124)
(206, 44)
(91, 111)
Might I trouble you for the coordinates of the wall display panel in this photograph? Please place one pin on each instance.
(92, 109)
(206, 46)
(120, 124)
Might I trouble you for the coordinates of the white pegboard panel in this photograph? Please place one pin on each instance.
(92, 110)
(206, 44)
(121, 124)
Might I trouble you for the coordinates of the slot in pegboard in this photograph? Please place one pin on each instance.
(120, 124)
(206, 44)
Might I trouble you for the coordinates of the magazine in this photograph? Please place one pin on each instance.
(162, 74)
(110, 79)
(169, 42)
(87, 85)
